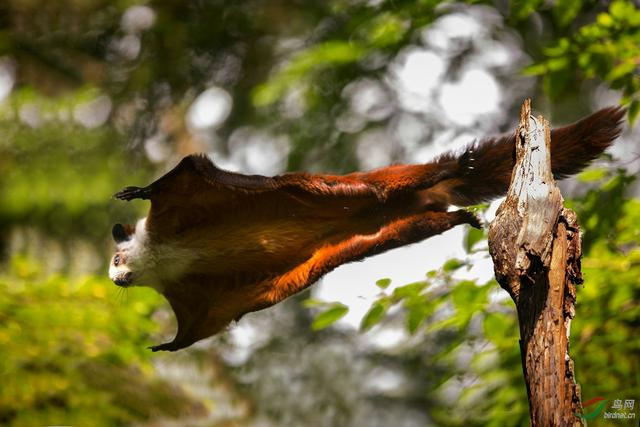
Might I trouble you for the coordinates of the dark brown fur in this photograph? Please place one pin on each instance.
(262, 239)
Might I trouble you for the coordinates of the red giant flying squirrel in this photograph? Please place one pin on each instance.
(219, 244)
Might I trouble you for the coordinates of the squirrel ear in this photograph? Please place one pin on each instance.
(119, 233)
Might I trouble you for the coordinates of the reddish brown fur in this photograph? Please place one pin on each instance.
(260, 240)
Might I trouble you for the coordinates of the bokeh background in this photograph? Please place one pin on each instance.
(96, 95)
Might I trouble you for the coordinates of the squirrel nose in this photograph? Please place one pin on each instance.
(123, 280)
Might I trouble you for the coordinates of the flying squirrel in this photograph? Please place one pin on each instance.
(219, 244)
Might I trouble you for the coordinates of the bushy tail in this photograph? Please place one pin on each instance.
(485, 168)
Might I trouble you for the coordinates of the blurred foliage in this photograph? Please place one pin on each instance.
(330, 314)
(602, 206)
(572, 49)
(608, 319)
(608, 49)
(61, 176)
(480, 353)
(605, 345)
(72, 350)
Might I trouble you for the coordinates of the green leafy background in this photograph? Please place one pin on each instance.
(73, 347)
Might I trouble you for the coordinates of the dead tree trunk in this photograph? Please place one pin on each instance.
(535, 246)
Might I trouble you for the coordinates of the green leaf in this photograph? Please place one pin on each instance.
(556, 83)
(621, 9)
(497, 326)
(452, 265)
(469, 297)
(521, 9)
(535, 69)
(408, 291)
(415, 317)
(566, 10)
(557, 64)
(329, 317)
(446, 323)
(374, 315)
(633, 110)
(559, 49)
(592, 175)
(623, 70)
(472, 237)
(479, 208)
(604, 20)
(383, 283)
(312, 302)
(302, 66)
(387, 30)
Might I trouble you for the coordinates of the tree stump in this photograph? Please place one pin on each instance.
(535, 246)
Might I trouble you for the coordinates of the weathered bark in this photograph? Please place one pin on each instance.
(535, 246)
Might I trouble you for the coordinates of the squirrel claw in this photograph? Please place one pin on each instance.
(130, 193)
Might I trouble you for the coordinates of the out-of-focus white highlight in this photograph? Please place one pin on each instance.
(7, 77)
(128, 46)
(157, 149)
(30, 114)
(420, 71)
(368, 98)
(137, 18)
(466, 100)
(254, 151)
(93, 113)
(416, 74)
(387, 338)
(384, 380)
(374, 149)
(210, 109)
(451, 33)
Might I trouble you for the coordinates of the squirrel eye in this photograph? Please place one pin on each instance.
(116, 260)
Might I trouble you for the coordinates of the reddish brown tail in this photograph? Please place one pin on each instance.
(485, 168)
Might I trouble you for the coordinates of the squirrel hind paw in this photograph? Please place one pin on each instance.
(468, 217)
